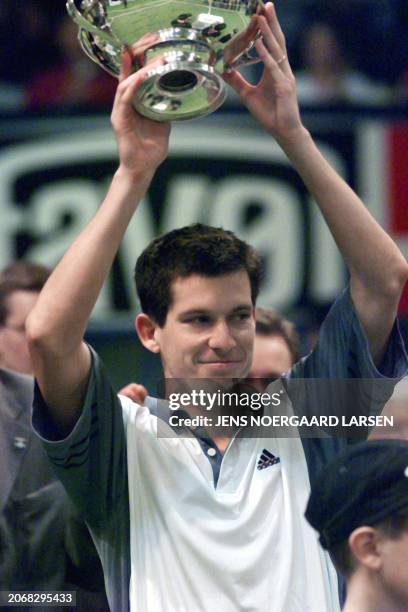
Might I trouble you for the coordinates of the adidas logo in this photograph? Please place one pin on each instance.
(266, 460)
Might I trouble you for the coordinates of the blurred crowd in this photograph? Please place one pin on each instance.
(343, 52)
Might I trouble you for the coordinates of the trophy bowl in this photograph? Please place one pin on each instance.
(189, 44)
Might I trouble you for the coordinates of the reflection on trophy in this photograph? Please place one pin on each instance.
(188, 42)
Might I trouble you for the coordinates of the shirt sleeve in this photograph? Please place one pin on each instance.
(339, 376)
(91, 461)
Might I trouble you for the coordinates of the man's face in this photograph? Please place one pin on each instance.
(209, 329)
(271, 359)
(14, 353)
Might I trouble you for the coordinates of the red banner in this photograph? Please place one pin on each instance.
(398, 189)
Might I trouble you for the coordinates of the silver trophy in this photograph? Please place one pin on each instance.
(189, 43)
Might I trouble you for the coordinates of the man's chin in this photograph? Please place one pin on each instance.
(223, 371)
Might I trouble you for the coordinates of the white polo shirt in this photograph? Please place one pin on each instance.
(240, 545)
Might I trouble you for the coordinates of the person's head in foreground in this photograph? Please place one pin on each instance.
(359, 506)
(197, 287)
(20, 286)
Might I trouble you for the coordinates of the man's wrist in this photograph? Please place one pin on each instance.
(295, 140)
(136, 178)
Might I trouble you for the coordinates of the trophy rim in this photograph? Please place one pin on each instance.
(203, 69)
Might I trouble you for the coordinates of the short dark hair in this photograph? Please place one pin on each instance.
(393, 527)
(20, 276)
(268, 322)
(194, 249)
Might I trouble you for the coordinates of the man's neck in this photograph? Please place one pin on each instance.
(221, 443)
(367, 595)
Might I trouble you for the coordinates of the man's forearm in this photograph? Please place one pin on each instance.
(369, 252)
(66, 302)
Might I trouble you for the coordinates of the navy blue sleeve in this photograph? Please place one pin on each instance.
(342, 349)
(339, 376)
(91, 461)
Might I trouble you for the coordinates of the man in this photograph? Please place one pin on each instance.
(197, 524)
(360, 509)
(44, 544)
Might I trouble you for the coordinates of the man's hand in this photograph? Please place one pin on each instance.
(273, 101)
(142, 143)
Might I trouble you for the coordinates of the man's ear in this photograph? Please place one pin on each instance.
(145, 328)
(365, 546)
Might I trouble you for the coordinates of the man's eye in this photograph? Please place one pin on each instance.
(199, 320)
(242, 316)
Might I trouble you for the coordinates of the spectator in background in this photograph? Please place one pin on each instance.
(368, 30)
(276, 347)
(20, 285)
(359, 506)
(326, 76)
(43, 543)
(74, 81)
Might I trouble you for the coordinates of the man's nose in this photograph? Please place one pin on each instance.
(221, 337)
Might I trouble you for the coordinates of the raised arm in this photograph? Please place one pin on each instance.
(378, 270)
(56, 326)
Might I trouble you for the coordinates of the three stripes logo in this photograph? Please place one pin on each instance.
(266, 460)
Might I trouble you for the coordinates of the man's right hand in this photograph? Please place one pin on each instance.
(142, 143)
